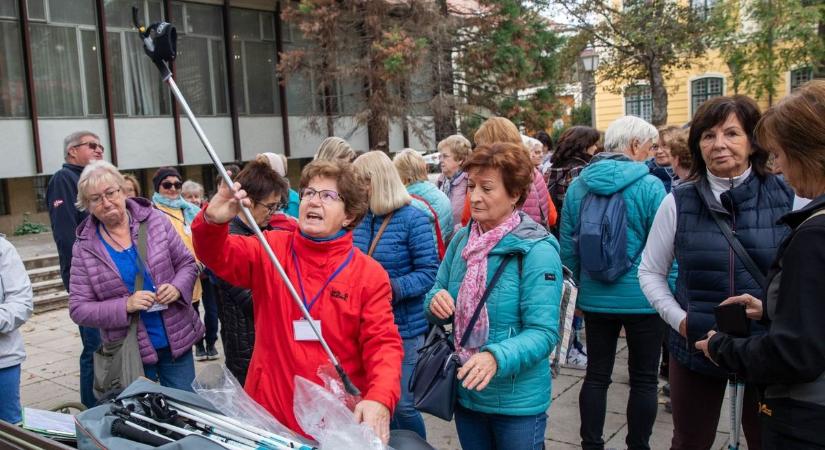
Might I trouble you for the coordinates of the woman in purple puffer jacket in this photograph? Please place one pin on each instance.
(105, 264)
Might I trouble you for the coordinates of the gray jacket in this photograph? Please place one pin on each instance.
(15, 304)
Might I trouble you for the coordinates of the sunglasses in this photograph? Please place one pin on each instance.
(170, 185)
(92, 146)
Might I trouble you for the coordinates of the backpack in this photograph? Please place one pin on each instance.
(601, 239)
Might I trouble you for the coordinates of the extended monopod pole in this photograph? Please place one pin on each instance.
(160, 44)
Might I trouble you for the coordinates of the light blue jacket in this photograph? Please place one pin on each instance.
(15, 304)
(606, 174)
(438, 201)
(524, 316)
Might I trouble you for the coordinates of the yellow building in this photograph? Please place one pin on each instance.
(687, 89)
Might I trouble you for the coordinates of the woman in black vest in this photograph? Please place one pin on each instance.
(731, 188)
(790, 359)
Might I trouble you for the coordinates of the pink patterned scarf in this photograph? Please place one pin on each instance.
(475, 281)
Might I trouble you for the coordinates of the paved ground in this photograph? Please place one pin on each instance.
(50, 377)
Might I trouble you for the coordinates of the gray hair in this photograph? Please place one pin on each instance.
(624, 130)
(191, 186)
(74, 139)
(95, 173)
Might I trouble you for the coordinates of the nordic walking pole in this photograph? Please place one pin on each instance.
(160, 44)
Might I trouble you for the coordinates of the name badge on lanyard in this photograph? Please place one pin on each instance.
(303, 331)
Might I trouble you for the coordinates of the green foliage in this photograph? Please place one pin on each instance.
(582, 116)
(29, 227)
(761, 40)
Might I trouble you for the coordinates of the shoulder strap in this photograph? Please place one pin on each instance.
(483, 300)
(441, 247)
(141, 248)
(821, 212)
(380, 232)
(737, 246)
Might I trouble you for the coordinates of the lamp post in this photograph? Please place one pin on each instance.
(590, 61)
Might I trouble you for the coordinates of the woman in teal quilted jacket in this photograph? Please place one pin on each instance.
(504, 390)
(609, 306)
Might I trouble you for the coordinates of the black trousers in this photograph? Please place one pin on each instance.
(644, 334)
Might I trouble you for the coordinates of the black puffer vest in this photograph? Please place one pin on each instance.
(709, 270)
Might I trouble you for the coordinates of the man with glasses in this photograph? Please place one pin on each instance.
(79, 149)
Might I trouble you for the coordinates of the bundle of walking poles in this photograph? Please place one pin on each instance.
(154, 419)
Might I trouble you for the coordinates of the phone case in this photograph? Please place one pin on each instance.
(731, 319)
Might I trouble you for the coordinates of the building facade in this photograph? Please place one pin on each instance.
(69, 65)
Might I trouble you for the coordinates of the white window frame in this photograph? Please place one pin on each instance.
(699, 77)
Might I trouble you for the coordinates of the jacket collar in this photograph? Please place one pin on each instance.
(795, 218)
(73, 167)
(319, 252)
(744, 187)
(139, 209)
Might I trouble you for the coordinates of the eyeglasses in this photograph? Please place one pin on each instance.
(326, 195)
(109, 195)
(271, 208)
(92, 146)
(170, 185)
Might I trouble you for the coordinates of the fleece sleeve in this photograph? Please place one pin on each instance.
(15, 289)
(233, 259)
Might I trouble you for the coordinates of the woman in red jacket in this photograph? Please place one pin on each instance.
(347, 292)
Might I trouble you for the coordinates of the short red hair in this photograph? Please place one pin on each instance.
(511, 161)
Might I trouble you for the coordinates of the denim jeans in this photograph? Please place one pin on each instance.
(406, 417)
(210, 312)
(482, 431)
(644, 342)
(174, 373)
(10, 393)
(90, 337)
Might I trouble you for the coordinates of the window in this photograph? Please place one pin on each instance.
(801, 76)
(200, 67)
(66, 59)
(702, 8)
(303, 95)
(254, 61)
(638, 101)
(4, 198)
(41, 183)
(137, 89)
(13, 98)
(704, 89)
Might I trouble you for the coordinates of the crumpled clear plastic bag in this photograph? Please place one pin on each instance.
(217, 385)
(323, 414)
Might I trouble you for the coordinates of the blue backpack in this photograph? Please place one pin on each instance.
(601, 239)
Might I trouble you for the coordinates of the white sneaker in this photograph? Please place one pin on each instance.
(576, 360)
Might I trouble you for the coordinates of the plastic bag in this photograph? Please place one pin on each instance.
(217, 385)
(326, 418)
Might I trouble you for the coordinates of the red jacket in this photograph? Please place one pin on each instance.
(355, 312)
(280, 221)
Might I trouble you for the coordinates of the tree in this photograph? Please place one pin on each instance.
(760, 40)
(402, 60)
(643, 40)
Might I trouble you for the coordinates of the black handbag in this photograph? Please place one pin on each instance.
(433, 382)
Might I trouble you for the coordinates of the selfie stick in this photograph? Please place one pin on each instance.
(160, 44)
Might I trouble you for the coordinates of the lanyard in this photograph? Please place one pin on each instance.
(326, 283)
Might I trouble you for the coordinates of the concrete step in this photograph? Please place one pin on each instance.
(49, 302)
(37, 262)
(48, 286)
(44, 273)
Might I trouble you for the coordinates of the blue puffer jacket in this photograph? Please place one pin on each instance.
(439, 202)
(606, 174)
(524, 316)
(407, 252)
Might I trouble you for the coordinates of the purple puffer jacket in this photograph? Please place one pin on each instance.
(98, 295)
(536, 204)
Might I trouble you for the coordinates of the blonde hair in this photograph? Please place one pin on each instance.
(129, 178)
(387, 192)
(497, 129)
(95, 173)
(333, 148)
(411, 166)
(458, 146)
